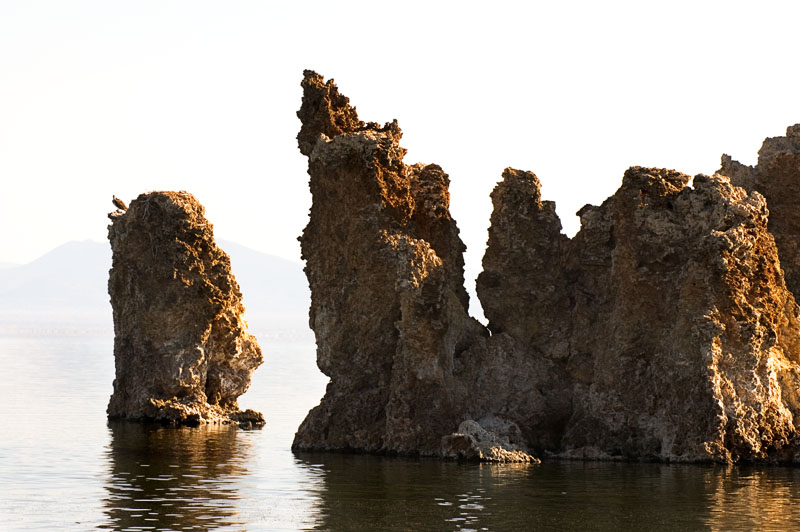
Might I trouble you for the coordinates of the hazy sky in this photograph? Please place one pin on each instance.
(101, 98)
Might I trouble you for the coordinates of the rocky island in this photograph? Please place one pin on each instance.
(181, 348)
(665, 329)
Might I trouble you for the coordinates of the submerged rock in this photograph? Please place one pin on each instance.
(474, 442)
(663, 330)
(181, 347)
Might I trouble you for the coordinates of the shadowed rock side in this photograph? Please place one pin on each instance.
(181, 347)
(663, 330)
(388, 306)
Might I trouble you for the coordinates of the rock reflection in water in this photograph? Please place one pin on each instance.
(372, 493)
(360, 492)
(169, 478)
(754, 498)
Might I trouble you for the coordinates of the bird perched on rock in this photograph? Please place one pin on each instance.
(119, 204)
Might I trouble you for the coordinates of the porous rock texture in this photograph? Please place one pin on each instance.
(777, 178)
(181, 347)
(663, 330)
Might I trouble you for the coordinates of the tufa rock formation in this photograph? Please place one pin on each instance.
(181, 347)
(663, 330)
(388, 304)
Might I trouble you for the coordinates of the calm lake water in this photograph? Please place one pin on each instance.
(64, 467)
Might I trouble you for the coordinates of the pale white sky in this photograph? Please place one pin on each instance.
(103, 97)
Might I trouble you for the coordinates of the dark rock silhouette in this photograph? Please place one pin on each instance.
(181, 347)
(663, 330)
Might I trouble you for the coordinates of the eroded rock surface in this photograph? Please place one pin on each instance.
(663, 330)
(181, 347)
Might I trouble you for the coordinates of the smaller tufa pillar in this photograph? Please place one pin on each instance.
(181, 347)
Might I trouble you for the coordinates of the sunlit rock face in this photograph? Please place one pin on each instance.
(777, 178)
(663, 330)
(181, 347)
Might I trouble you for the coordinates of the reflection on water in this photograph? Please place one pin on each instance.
(754, 498)
(171, 478)
(361, 493)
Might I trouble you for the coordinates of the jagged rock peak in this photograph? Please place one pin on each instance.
(181, 348)
(325, 111)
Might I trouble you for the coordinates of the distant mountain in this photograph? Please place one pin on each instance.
(269, 284)
(73, 275)
(72, 280)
